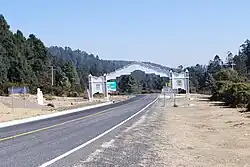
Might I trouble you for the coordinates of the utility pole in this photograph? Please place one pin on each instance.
(52, 75)
(164, 99)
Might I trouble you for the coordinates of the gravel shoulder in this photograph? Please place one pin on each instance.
(196, 133)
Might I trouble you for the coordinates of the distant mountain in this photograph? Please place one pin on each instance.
(26, 61)
(86, 64)
(90, 61)
(82, 60)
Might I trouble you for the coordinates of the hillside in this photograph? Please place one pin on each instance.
(137, 82)
(90, 62)
(27, 61)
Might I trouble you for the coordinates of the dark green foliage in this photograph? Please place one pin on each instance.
(28, 62)
(140, 82)
(74, 66)
(227, 75)
(49, 97)
(127, 84)
(219, 90)
(209, 81)
(22, 60)
(239, 93)
(232, 86)
(233, 94)
(215, 65)
(197, 78)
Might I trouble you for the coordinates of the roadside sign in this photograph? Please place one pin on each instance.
(18, 90)
(111, 86)
(169, 90)
(166, 89)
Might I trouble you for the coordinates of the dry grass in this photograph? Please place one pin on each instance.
(33, 109)
(202, 135)
(194, 134)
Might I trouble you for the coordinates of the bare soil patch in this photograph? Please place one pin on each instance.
(33, 109)
(197, 133)
(203, 134)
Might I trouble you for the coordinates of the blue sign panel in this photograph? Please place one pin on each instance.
(18, 90)
(111, 86)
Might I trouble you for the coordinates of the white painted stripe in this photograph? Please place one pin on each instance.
(41, 117)
(95, 138)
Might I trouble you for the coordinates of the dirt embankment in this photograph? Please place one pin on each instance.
(200, 133)
(195, 134)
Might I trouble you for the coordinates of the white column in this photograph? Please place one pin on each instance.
(39, 96)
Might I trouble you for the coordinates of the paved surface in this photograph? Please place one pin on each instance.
(34, 143)
(139, 144)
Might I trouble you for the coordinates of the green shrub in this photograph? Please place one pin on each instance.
(220, 90)
(233, 94)
(240, 93)
(242, 99)
(49, 97)
(73, 94)
(227, 75)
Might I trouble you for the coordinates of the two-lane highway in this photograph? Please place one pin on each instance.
(35, 143)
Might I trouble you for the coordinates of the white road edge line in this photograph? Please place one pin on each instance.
(95, 138)
(52, 115)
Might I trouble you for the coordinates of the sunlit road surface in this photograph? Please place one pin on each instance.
(64, 140)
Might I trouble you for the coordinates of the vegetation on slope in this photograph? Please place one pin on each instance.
(27, 61)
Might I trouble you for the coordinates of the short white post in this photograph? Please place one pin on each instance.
(39, 96)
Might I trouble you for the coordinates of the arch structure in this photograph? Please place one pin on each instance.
(180, 80)
(128, 69)
(99, 84)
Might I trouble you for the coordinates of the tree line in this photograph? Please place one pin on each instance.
(226, 81)
(28, 62)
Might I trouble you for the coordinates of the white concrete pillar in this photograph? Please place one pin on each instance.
(39, 97)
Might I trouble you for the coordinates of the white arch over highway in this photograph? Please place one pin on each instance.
(99, 84)
(128, 69)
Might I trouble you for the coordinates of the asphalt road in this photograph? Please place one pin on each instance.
(33, 144)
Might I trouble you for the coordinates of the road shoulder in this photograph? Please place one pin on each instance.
(196, 133)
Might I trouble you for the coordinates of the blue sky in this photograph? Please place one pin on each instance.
(169, 32)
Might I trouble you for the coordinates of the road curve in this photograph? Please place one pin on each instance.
(34, 143)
